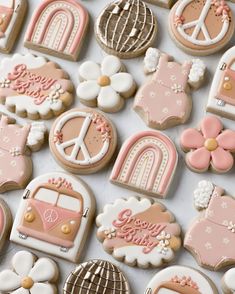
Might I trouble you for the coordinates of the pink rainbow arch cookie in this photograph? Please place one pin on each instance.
(54, 215)
(228, 282)
(146, 163)
(34, 87)
(209, 147)
(217, 218)
(182, 280)
(5, 222)
(201, 27)
(139, 232)
(58, 28)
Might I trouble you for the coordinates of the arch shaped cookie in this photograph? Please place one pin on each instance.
(5, 222)
(228, 282)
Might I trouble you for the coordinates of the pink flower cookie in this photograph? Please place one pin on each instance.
(209, 147)
(211, 236)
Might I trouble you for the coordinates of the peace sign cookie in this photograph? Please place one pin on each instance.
(201, 27)
(83, 140)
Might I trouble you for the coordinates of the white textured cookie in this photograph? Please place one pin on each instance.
(228, 282)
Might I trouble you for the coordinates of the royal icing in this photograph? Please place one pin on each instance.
(180, 279)
(5, 222)
(146, 162)
(209, 147)
(54, 215)
(131, 37)
(168, 89)
(58, 27)
(139, 232)
(162, 3)
(88, 146)
(216, 220)
(228, 283)
(105, 85)
(29, 275)
(34, 85)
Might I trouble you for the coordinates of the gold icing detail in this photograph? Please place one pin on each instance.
(29, 217)
(27, 283)
(227, 86)
(66, 229)
(104, 81)
(211, 144)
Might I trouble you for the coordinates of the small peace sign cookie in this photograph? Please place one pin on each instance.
(201, 27)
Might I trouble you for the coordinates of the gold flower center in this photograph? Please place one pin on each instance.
(27, 283)
(104, 81)
(211, 144)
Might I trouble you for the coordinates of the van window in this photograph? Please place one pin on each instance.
(68, 202)
(47, 195)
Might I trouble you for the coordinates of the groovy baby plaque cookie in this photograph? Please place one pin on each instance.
(139, 232)
(54, 216)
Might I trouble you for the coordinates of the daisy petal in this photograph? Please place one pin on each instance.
(89, 70)
(21, 291)
(191, 139)
(222, 160)
(23, 262)
(88, 90)
(211, 126)
(122, 82)
(199, 159)
(44, 270)
(110, 65)
(108, 99)
(9, 281)
(39, 288)
(226, 140)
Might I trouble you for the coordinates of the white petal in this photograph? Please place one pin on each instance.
(44, 270)
(9, 281)
(108, 99)
(22, 262)
(88, 90)
(89, 70)
(110, 65)
(122, 82)
(21, 291)
(39, 288)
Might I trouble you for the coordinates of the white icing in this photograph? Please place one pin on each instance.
(203, 194)
(197, 71)
(229, 279)
(151, 59)
(36, 135)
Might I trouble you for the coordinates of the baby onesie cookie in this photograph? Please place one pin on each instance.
(34, 87)
(29, 275)
(216, 219)
(182, 280)
(58, 28)
(105, 85)
(82, 140)
(163, 100)
(162, 3)
(15, 159)
(126, 28)
(221, 97)
(228, 282)
(209, 146)
(96, 277)
(5, 222)
(54, 216)
(146, 163)
(201, 27)
(139, 232)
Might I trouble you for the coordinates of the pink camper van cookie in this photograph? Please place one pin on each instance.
(58, 28)
(211, 237)
(163, 100)
(139, 232)
(54, 215)
(5, 222)
(146, 163)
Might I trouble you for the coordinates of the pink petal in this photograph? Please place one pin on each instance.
(199, 159)
(211, 126)
(191, 139)
(222, 160)
(226, 140)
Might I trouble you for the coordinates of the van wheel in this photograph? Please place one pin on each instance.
(64, 249)
(23, 236)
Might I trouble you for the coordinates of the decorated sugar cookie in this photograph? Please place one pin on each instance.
(5, 222)
(15, 159)
(54, 215)
(162, 3)
(98, 277)
(201, 27)
(146, 163)
(163, 100)
(105, 85)
(216, 219)
(34, 87)
(182, 280)
(58, 28)
(82, 140)
(29, 275)
(209, 146)
(139, 232)
(228, 282)
(129, 38)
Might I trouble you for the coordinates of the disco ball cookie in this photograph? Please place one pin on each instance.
(209, 146)
(210, 238)
(180, 279)
(58, 27)
(139, 232)
(106, 85)
(201, 27)
(96, 277)
(228, 282)
(5, 222)
(29, 275)
(162, 3)
(126, 28)
(34, 87)
(82, 140)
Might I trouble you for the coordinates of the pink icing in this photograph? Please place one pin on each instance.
(7, 12)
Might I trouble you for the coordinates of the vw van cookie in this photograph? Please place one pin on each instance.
(54, 215)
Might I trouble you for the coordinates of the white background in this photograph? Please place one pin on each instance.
(180, 198)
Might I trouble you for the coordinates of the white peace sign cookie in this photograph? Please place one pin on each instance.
(82, 140)
(201, 27)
